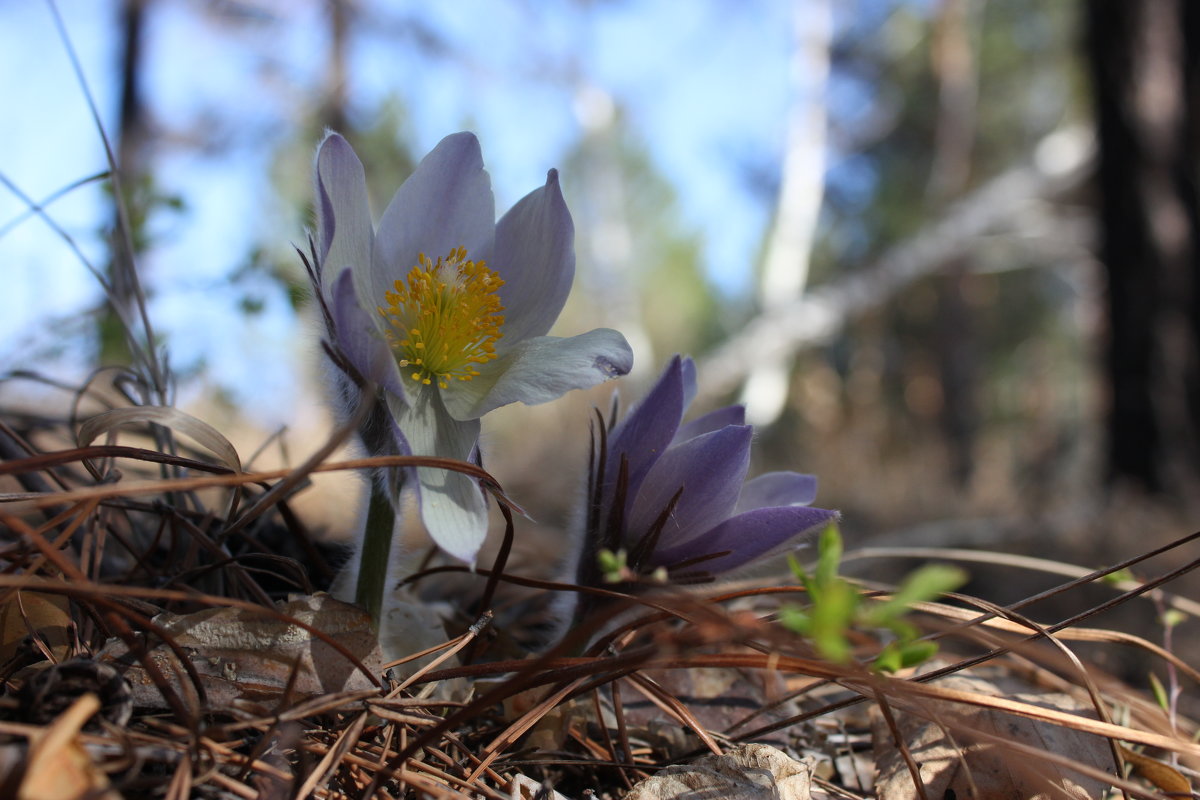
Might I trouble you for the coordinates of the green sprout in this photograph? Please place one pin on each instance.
(613, 566)
(1160, 692)
(837, 606)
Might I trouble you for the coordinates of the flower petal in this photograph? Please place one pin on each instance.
(360, 340)
(709, 469)
(446, 203)
(344, 233)
(777, 489)
(747, 537)
(535, 255)
(690, 385)
(539, 370)
(643, 436)
(452, 505)
(714, 420)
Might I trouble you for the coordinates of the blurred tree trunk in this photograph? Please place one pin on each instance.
(957, 356)
(1143, 59)
(333, 112)
(130, 157)
(954, 69)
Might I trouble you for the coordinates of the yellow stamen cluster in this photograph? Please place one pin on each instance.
(445, 318)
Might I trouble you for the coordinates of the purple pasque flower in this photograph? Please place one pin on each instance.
(445, 310)
(672, 496)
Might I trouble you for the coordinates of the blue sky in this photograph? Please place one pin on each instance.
(699, 81)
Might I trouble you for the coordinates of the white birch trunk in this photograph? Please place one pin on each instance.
(786, 263)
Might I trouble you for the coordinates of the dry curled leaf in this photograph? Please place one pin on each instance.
(747, 772)
(953, 763)
(205, 435)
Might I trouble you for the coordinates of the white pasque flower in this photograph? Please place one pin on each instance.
(446, 310)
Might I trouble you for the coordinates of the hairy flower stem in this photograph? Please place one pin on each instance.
(374, 556)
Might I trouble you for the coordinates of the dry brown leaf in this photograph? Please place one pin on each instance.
(47, 614)
(243, 654)
(1164, 776)
(952, 763)
(58, 767)
(748, 772)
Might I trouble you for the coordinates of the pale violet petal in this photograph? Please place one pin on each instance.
(747, 537)
(445, 204)
(535, 255)
(777, 489)
(452, 504)
(539, 370)
(360, 340)
(709, 470)
(714, 420)
(344, 234)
